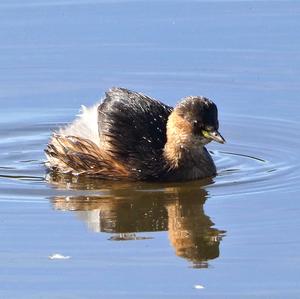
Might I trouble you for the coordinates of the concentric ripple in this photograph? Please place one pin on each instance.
(260, 155)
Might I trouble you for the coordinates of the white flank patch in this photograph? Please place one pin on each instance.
(58, 256)
(85, 126)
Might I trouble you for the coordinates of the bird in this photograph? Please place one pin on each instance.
(131, 136)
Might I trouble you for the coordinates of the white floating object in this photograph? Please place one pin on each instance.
(198, 286)
(58, 256)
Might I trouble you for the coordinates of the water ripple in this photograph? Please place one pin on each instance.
(260, 155)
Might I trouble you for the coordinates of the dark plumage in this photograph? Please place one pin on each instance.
(140, 139)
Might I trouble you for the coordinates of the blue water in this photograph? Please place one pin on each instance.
(245, 55)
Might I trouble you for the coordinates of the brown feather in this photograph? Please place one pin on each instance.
(71, 154)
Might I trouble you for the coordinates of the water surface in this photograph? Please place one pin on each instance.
(235, 235)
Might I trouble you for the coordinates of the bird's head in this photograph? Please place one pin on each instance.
(198, 116)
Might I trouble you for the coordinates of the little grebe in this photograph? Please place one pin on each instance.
(132, 136)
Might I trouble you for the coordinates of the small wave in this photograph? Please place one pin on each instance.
(261, 155)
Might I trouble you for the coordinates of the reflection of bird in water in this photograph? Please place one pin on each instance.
(125, 209)
(191, 232)
(132, 136)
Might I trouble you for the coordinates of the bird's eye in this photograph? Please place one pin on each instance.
(195, 122)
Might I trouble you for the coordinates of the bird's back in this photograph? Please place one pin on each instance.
(132, 136)
(132, 129)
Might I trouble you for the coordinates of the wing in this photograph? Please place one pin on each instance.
(132, 128)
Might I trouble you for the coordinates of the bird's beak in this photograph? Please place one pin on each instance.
(214, 135)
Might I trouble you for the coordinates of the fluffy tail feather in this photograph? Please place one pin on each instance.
(77, 156)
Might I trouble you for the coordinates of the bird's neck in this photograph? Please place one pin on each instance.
(181, 145)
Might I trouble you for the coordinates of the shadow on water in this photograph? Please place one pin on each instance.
(124, 209)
